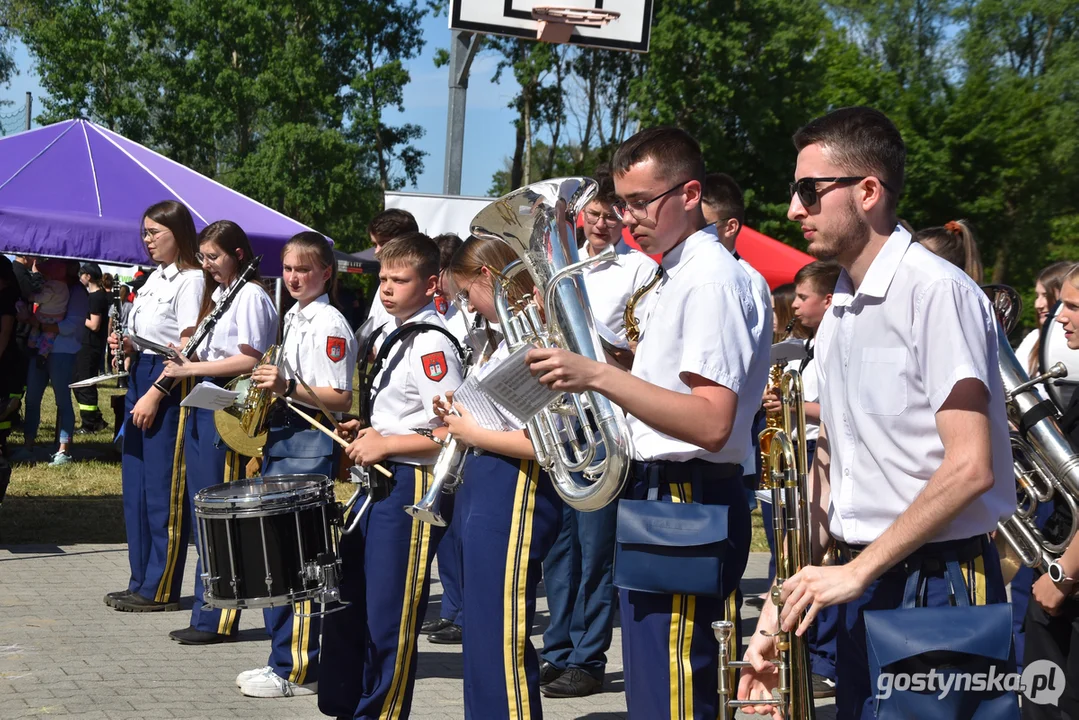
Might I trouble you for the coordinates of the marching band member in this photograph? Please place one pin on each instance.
(165, 312)
(447, 629)
(813, 285)
(384, 227)
(1052, 620)
(233, 347)
(578, 570)
(317, 344)
(955, 242)
(724, 206)
(913, 464)
(507, 512)
(695, 386)
(369, 650)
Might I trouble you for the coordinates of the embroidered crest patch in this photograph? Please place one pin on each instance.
(335, 348)
(441, 305)
(434, 365)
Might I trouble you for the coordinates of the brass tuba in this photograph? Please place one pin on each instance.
(582, 440)
(785, 474)
(1046, 465)
(242, 425)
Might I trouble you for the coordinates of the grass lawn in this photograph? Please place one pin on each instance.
(81, 502)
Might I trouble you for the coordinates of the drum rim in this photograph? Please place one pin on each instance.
(317, 490)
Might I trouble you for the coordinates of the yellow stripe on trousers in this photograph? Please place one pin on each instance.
(301, 641)
(683, 608)
(975, 580)
(177, 501)
(515, 584)
(410, 607)
(226, 624)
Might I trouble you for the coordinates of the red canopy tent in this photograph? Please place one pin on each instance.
(775, 261)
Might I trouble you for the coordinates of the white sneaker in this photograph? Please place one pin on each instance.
(248, 674)
(271, 685)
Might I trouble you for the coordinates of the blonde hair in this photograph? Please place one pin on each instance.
(955, 242)
(478, 253)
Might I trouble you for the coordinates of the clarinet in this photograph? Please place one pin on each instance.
(115, 315)
(166, 384)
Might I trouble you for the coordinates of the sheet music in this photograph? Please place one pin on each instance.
(513, 387)
(482, 408)
(208, 396)
(787, 350)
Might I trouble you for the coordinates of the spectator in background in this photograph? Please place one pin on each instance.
(29, 281)
(9, 359)
(58, 368)
(91, 356)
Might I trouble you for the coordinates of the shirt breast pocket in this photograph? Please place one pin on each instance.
(882, 387)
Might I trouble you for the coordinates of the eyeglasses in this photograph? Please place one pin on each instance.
(152, 232)
(461, 298)
(592, 218)
(211, 258)
(639, 208)
(806, 188)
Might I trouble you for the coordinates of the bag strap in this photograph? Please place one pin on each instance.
(654, 481)
(914, 590)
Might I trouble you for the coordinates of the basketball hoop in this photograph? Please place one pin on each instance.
(555, 24)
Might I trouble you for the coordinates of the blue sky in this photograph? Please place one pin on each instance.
(489, 132)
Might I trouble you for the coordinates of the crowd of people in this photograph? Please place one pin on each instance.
(907, 436)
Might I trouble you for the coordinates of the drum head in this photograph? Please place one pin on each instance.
(264, 496)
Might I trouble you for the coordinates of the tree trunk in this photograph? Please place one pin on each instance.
(516, 169)
(526, 120)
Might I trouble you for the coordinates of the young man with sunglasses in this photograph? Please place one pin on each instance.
(697, 378)
(578, 569)
(913, 465)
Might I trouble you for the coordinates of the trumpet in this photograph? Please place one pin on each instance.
(448, 473)
(785, 474)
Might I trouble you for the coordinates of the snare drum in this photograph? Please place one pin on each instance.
(267, 542)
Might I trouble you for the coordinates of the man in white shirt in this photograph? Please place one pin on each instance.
(578, 569)
(724, 206)
(913, 465)
(697, 378)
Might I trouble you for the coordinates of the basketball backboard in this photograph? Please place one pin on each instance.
(514, 17)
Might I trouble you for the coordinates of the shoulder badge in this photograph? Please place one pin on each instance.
(434, 365)
(335, 348)
(441, 305)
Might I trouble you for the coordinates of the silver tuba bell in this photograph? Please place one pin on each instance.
(582, 440)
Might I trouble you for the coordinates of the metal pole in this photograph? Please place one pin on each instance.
(29, 108)
(463, 47)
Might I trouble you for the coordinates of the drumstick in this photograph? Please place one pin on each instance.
(329, 433)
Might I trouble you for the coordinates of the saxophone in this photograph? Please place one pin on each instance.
(629, 317)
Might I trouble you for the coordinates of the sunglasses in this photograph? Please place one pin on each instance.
(806, 188)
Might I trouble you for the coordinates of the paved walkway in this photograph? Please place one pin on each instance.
(64, 653)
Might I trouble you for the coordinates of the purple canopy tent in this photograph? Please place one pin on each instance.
(77, 190)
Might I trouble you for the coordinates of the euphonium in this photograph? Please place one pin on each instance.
(785, 474)
(539, 223)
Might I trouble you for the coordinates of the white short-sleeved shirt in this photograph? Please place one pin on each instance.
(166, 305)
(706, 319)
(380, 319)
(887, 357)
(418, 368)
(250, 319)
(319, 345)
(759, 283)
(610, 284)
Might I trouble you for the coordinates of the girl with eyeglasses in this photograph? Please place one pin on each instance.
(165, 312)
(233, 347)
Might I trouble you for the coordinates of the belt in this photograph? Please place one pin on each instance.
(929, 557)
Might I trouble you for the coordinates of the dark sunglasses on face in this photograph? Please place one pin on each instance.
(806, 188)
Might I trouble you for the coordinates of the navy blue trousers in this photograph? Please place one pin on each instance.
(854, 691)
(509, 514)
(450, 560)
(296, 449)
(669, 650)
(153, 477)
(209, 462)
(369, 648)
(578, 575)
